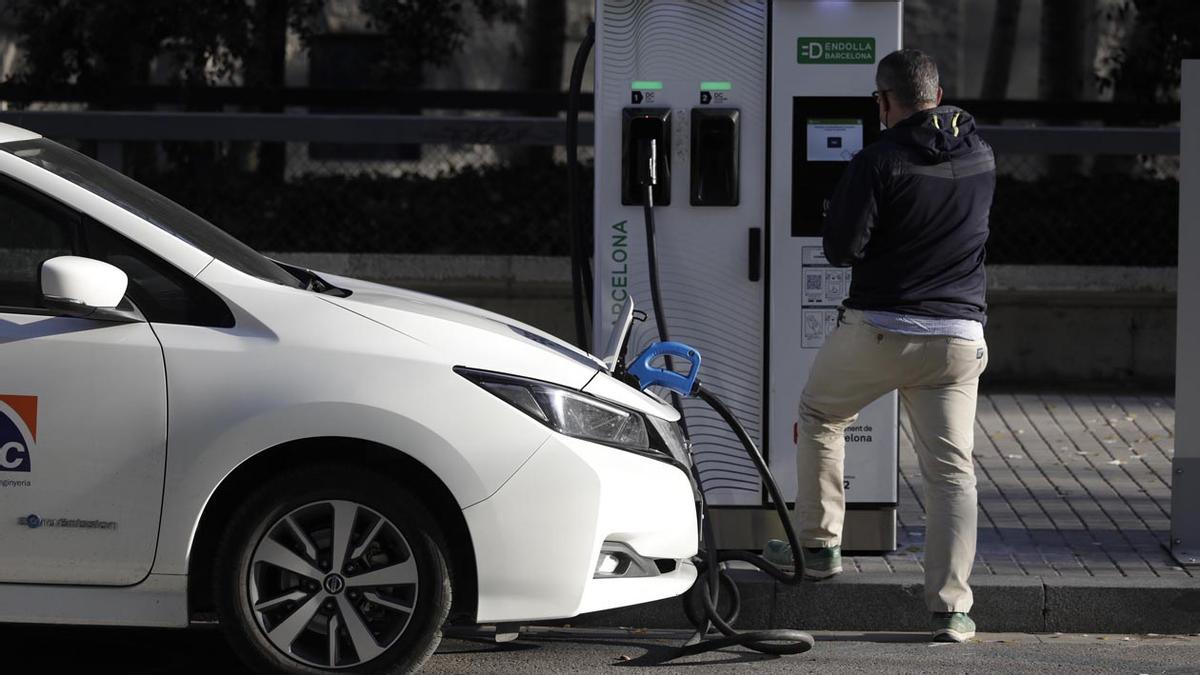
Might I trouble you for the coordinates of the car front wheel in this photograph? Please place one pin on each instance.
(333, 569)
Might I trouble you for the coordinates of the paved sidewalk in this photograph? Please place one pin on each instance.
(1074, 492)
(1070, 485)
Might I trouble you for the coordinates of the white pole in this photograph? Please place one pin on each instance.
(1185, 492)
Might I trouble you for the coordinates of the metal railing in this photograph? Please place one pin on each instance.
(538, 131)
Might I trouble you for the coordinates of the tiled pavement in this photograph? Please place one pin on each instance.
(1070, 484)
(1075, 501)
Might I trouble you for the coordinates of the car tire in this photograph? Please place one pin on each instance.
(379, 610)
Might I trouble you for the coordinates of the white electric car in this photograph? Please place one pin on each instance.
(332, 467)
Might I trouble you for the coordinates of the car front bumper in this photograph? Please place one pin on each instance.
(539, 537)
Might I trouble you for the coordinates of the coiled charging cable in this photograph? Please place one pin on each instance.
(779, 641)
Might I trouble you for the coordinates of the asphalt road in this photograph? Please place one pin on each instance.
(141, 652)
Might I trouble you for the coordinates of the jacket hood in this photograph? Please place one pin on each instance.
(939, 134)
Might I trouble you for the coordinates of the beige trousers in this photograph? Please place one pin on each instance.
(938, 378)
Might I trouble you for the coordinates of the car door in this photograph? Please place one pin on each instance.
(83, 417)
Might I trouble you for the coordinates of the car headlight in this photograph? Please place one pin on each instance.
(565, 411)
(675, 443)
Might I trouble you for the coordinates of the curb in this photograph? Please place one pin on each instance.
(1003, 604)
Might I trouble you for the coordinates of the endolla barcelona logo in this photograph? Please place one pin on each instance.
(18, 431)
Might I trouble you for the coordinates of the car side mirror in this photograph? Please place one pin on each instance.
(85, 288)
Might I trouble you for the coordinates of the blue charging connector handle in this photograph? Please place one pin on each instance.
(648, 375)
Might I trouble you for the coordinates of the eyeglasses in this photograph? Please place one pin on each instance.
(877, 92)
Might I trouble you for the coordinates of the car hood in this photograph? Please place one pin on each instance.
(483, 340)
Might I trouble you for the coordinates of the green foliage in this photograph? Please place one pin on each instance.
(1158, 35)
(426, 32)
(101, 44)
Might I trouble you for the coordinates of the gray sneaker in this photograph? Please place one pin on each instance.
(952, 627)
(779, 554)
(819, 563)
(822, 563)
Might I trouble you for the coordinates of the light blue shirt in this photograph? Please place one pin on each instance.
(911, 324)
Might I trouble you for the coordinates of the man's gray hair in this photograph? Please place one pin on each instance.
(910, 76)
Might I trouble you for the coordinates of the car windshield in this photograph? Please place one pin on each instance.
(147, 204)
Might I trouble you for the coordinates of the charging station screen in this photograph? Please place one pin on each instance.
(827, 132)
(834, 140)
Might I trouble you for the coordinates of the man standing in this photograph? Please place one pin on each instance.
(910, 216)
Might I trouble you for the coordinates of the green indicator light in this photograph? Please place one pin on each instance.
(643, 85)
(715, 86)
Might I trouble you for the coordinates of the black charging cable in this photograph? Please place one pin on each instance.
(781, 641)
(647, 176)
(581, 275)
(647, 170)
(777, 641)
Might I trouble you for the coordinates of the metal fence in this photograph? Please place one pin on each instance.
(487, 184)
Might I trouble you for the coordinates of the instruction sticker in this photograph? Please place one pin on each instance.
(823, 289)
(816, 325)
(823, 284)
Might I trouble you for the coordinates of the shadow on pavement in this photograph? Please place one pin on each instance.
(28, 648)
(655, 647)
(478, 642)
(656, 652)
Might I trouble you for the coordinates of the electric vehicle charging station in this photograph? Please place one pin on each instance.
(755, 108)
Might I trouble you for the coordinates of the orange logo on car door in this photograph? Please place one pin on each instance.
(18, 431)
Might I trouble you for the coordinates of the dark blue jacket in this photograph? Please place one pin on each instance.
(910, 216)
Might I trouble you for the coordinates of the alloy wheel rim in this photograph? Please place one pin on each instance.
(332, 584)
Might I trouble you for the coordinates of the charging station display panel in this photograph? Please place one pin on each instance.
(826, 134)
(833, 140)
